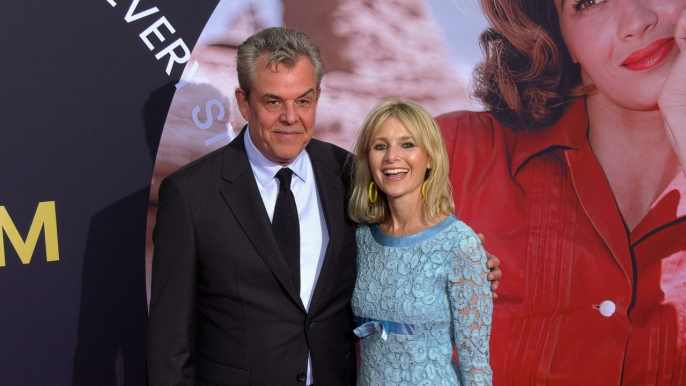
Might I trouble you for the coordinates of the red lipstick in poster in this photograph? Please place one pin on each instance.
(649, 56)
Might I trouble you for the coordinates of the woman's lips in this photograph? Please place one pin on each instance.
(649, 56)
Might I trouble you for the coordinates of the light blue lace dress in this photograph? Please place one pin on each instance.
(416, 298)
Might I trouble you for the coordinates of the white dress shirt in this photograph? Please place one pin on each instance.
(314, 236)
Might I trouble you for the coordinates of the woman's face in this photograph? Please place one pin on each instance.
(397, 163)
(625, 47)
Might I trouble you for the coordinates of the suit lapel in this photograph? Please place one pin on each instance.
(241, 194)
(330, 190)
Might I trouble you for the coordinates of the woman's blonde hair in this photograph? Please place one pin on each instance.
(438, 197)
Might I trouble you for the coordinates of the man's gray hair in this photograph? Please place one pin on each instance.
(282, 46)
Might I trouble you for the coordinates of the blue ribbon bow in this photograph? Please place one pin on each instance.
(368, 326)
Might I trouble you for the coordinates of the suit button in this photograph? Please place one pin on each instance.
(310, 325)
(301, 377)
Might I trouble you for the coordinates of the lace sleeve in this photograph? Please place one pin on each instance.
(472, 308)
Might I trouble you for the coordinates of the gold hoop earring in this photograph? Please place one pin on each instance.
(424, 188)
(375, 196)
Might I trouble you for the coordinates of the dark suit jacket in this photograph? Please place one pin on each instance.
(224, 309)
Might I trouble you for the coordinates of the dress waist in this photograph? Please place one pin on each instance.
(368, 326)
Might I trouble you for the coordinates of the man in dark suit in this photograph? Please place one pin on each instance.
(231, 305)
(226, 308)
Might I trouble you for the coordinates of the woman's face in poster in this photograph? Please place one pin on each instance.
(624, 47)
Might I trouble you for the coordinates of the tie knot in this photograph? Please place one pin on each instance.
(284, 175)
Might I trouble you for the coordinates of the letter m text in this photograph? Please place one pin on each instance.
(44, 219)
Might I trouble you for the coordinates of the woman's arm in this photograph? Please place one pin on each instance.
(472, 308)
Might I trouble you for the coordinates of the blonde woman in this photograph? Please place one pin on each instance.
(422, 285)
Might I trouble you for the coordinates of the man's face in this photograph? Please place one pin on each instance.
(281, 109)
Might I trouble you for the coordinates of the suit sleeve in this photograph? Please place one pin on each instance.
(171, 324)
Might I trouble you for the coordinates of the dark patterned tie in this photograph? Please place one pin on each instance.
(286, 225)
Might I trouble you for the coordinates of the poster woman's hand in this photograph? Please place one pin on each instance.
(672, 100)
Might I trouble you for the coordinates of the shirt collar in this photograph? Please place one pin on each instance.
(570, 132)
(265, 170)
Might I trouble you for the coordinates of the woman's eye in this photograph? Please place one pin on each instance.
(407, 145)
(583, 4)
(379, 147)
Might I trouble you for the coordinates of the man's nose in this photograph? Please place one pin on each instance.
(289, 114)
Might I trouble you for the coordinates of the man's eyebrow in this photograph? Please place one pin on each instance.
(305, 93)
(271, 96)
(274, 96)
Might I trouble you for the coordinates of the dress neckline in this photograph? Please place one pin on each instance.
(404, 241)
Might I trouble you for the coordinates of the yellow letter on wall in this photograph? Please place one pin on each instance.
(44, 218)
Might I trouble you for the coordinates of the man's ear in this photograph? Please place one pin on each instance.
(243, 103)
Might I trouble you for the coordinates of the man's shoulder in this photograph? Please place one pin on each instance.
(208, 164)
